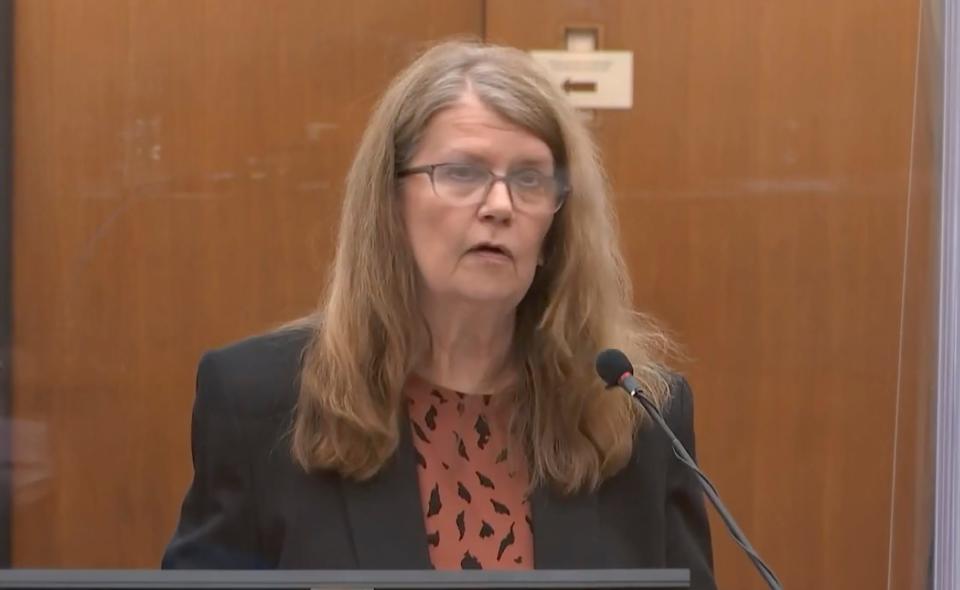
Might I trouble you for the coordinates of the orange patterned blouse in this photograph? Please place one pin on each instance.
(472, 490)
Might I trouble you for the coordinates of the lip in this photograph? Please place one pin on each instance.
(503, 250)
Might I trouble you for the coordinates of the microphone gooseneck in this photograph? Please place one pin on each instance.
(616, 370)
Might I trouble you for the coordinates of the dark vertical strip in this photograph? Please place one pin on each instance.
(6, 276)
(483, 21)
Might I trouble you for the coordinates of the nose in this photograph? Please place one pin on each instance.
(498, 205)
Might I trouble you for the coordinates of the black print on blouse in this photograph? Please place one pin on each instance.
(461, 524)
(469, 562)
(483, 431)
(444, 463)
(419, 432)
(529, 522)
(431, 418)
(434, 506)
(486, 530)
(439, 397)
(434, 539)
(462, 448)
(499, 508)
(420, 460)
(506, 542)
(502, 456)
(464, 493)
(485, 481)
(518, 560)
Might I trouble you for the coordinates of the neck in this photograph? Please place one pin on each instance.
(470, 346)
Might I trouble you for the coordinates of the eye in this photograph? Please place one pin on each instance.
(528, 178)
(464, 173)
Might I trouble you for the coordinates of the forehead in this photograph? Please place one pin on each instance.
(469, 126)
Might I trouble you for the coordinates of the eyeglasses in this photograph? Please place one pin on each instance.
(530, 190)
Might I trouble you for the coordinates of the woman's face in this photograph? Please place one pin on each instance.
(467, 247)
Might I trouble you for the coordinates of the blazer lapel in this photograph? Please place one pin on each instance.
(566, 530)
(385, 514)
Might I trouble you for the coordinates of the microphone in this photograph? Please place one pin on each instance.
(616, 371)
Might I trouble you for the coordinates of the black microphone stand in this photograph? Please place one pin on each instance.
(711, 492)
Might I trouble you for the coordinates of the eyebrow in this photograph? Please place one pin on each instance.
(474, 158)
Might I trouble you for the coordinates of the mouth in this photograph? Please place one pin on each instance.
(491, 249)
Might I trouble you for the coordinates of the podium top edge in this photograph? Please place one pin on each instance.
(343, 579)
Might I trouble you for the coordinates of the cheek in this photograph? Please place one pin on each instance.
(533, 239)
(432, 232)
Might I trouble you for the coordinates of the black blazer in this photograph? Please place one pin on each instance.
(250, 506)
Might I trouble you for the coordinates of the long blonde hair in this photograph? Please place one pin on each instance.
(368, 332)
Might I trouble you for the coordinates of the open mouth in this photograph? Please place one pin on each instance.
(490, 250)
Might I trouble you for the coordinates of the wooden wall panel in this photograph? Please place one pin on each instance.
(762, 180)
(178, 171)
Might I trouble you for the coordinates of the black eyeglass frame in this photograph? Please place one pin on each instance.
(562, 188)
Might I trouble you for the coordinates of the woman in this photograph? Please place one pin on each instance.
(441, 409)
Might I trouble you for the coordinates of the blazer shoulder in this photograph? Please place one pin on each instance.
(680, 396)
(678, 408)
(260, 374)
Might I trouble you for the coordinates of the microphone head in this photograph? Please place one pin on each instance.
(611, 365)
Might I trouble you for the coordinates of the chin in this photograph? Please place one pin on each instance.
(491, 293)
